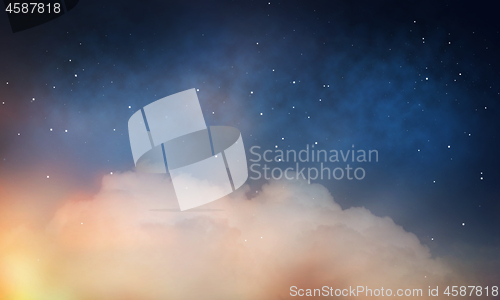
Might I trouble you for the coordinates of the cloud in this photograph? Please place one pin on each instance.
(128, 242)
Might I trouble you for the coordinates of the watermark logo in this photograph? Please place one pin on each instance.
(28, 14)
(205, 163)
(310, 163)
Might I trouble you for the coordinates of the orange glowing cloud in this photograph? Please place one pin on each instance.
(128, 242)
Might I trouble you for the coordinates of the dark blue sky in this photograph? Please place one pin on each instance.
(419, 82)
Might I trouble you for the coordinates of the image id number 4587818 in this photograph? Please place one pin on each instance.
(33, 8)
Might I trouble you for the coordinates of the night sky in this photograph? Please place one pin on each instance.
(418, 81)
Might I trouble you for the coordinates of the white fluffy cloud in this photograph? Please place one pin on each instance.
(129, 242)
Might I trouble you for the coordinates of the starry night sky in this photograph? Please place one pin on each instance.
(418, 81)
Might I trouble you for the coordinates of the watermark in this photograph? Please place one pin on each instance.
(28, 14)
(365, 291)
(356, 291)
(205, 163)
(320, 164)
